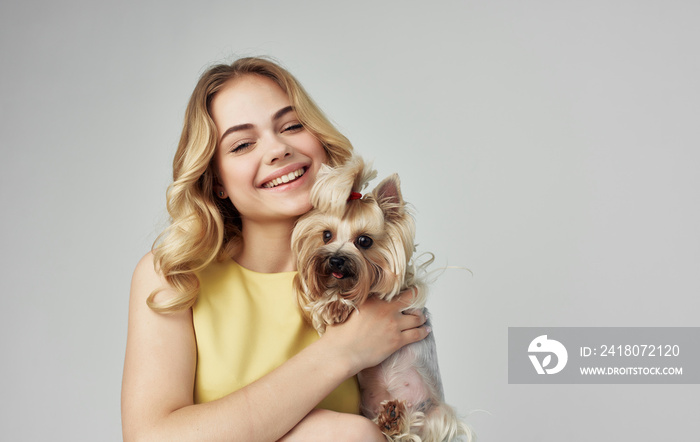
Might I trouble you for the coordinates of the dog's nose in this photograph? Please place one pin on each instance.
(336, 263)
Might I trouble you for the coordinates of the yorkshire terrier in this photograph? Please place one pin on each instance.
(350, 247)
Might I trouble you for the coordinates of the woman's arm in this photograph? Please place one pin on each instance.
(326, 425)
(159, 368)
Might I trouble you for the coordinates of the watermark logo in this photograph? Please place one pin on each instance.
(543, 345)
(603, 355)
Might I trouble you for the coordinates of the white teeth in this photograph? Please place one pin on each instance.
(291, 176)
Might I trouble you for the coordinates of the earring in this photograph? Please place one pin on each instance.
(221, 193)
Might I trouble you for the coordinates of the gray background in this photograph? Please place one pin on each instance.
(551, 147)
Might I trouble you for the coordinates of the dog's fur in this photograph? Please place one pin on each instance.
(348, 250)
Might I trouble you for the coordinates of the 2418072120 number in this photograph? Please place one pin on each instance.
(642, 350)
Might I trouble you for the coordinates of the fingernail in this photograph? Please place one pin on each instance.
(428, 329)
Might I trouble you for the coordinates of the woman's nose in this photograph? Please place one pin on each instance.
(277, 151)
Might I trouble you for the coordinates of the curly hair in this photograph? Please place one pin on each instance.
(204, 227)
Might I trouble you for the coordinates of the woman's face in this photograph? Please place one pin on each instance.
(265, 159)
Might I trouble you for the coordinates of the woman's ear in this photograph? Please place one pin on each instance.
(220, 191)
(219, 188)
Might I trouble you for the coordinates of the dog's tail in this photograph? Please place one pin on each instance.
(443, 424)
(440, 424)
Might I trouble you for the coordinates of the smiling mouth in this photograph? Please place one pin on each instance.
(284, 179)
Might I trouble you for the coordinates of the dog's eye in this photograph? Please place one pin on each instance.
(327, 236)
(364, 242)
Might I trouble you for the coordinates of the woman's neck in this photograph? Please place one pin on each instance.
(266, 247)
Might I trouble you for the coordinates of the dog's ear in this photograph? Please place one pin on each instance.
(388, 196)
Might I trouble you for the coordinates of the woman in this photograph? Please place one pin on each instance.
(216, 347)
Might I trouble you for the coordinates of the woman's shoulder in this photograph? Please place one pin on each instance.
(146, 268)
(147, 278)
(146, 261)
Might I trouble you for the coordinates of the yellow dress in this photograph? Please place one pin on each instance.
(247, 324)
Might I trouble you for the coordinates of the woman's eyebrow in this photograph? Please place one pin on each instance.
(282, 112)
(279, 114)
(232, 129)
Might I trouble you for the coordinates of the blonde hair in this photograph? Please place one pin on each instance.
(204, 227)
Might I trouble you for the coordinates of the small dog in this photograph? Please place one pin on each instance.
(350, 247)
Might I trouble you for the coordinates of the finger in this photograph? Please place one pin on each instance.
(419, 314)
(416, 334)
(409, 321)
(413, 311)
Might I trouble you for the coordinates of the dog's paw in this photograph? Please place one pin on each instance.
(338, 312)
(390, 416)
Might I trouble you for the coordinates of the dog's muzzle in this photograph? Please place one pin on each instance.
(339, 267)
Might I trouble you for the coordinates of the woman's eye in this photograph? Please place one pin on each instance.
(241, 147)
(327, 236)
(364, 242)
(293, 127)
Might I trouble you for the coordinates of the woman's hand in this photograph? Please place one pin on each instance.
(376, 329)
